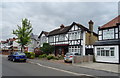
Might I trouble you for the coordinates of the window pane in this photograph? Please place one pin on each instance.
(107, 52)
(100, 37)
(98, 51)
(102, 52)
(100, 32)
(116, 35)
(112, 51)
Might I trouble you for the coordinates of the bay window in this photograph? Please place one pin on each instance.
(106, 51)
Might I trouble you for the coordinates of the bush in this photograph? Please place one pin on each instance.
(50, 57)
(43, 56)
(30, 55)
(37, 53)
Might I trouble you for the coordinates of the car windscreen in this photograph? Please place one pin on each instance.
(68, 54)
(21, 53)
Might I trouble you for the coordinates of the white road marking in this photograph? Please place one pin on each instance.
(64, 70)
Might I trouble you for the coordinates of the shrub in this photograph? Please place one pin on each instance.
(50, 57)
(30, 54)
(43, 56)
(37, 53)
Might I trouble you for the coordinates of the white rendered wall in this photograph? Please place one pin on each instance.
(110, 59)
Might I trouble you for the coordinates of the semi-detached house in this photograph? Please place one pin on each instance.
(107, 48)
(73, 38)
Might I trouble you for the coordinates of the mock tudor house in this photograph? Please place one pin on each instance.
(42, 38)
(107, 48)
(73, 38)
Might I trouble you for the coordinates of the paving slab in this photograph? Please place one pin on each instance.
(101, 66)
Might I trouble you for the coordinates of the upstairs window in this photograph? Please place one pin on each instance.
(51, 39)
(108, 34)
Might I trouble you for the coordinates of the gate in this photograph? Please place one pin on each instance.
(89, 51)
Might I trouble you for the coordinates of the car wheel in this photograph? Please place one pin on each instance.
(24, 60)
(13, 60)
(65, 61)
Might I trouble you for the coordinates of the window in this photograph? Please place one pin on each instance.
(98, 51)
(116, 30)
(51, 39)
(108, 34)
(107, 52)
(100, 32)
(100, 37)
(102, 52)
(61, 37)
(74, 49)
(112, 51)
(75, 35)
(116, 36)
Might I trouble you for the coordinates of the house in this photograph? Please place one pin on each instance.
(73, 38)
(4, 46)
(10, 45)
(13, 44)
(43, 38)
(107, 48)
(33, 43)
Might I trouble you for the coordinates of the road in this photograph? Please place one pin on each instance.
(10, 68)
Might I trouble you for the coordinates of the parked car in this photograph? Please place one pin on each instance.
(17, 56)
(69, 56)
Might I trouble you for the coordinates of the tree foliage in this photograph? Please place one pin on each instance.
(47, 48)
(23, 33)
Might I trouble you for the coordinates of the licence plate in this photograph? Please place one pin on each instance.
(67, 60)
(21, 59)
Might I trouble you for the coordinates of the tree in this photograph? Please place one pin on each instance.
(47, 48)
(23, 33)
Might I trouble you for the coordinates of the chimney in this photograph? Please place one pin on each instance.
(62, 26)
(91, 25)
(14, 38)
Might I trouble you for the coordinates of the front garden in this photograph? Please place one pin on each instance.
(45, 52)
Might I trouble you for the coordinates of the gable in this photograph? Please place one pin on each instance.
(74, 28)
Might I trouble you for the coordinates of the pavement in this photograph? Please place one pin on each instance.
(73, 68)
(94, 65)
(101, 66)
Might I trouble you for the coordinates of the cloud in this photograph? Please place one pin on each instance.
(49, 15)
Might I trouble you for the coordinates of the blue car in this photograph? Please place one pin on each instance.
(17, 56)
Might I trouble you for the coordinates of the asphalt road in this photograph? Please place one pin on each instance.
(10, 68)
(44, 68)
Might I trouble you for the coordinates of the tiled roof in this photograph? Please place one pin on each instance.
(3, 42)
(111, 23)
(67, 28)
(12, 39)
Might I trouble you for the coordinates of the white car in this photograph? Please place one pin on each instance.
(69, 56)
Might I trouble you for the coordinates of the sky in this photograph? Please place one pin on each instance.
(46, 16)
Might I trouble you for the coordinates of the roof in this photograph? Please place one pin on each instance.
(107, 42)
(3, 42)
(43, 32)
(12, 39)
(67, 28)
(111, 23)
(35, 37)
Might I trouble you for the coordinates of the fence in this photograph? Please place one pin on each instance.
(82, 59)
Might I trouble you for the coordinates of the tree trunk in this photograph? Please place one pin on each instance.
(22, 48)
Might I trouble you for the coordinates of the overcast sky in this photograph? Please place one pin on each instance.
(50, 15)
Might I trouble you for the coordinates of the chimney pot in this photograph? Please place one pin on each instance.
(62, 26)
